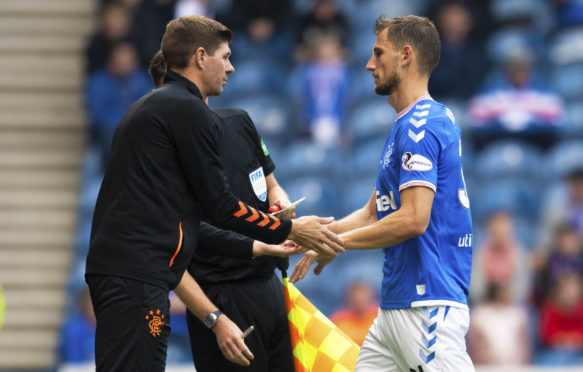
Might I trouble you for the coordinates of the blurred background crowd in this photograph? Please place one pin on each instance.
(510, 70)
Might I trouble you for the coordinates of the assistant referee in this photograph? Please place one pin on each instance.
(164, 167)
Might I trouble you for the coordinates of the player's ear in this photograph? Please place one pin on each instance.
(406, 55)
(198, 58)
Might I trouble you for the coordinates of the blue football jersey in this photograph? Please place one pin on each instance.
(424, 149)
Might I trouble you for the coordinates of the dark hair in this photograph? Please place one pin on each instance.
(186, 34)
(157, 69)
(419, 32)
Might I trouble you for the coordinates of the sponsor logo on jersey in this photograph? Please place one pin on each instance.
(465, 241)
(416, 162)
(385, 202)
(264, 148)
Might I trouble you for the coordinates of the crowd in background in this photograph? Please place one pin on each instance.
(510, 70)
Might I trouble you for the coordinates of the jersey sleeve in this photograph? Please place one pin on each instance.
(224, 243)
(260, 147)
(418, 152)
(197, 152)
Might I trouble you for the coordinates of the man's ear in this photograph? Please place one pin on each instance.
(198, 58)
(406, 55)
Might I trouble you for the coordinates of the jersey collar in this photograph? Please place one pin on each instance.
(175, 78)
(406, 110)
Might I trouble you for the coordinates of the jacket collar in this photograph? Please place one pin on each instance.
(175, 78)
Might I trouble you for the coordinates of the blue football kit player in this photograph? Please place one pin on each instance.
(419, 213)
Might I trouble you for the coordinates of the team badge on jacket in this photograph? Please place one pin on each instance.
(155, 321)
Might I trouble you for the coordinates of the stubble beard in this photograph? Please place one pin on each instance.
(389, 86)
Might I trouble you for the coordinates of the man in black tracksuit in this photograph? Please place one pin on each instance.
(164, 166)
(248, 292)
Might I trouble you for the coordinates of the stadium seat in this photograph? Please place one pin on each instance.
(512, 41)
(254, 76)
(271, 115)
(509, 159)
(568, 81)
(365, 158)
(567, 47)
(573, 123)
(515, 196)
(369, 120)
(357, 193)
(322, 196)
(564, 157)
(303, 158)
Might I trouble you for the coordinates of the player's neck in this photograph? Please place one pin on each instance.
(409, 91)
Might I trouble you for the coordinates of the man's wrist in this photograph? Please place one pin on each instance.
(212, 319)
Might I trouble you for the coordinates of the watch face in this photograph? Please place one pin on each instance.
(210, 320)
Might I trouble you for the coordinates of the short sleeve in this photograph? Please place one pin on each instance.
(418, 151)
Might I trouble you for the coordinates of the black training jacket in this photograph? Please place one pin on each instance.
(164, 166)
(247, 162)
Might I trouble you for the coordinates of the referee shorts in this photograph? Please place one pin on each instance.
(260, 303)
(420, 339)
(132, 324)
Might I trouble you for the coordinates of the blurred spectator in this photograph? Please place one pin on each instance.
(78, 333)
(564, 258)
(194, 7)
(111, 92)
(562, 322)
(323, 19)
(149, 24)
(359, 313)
(499, 329)
(462, 61)
(500, 259)
(261, 29)
(115, 23)
(568, 210)
(323, 87)
(179, 341)
(517, 101)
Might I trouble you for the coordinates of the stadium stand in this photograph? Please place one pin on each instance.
(42, 134)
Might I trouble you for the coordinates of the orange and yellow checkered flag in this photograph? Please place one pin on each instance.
(318, 345)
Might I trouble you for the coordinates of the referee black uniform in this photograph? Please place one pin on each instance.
(164, 166)
(247, 291)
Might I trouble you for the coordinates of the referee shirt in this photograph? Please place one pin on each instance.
(164, 164)
(247, 162)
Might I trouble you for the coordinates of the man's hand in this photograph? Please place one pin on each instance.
(312, 233)
(231, 343)
(285, 249)
(303, 265)
(283, 204)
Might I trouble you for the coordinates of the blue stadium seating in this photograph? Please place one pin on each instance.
(568, 81)
(573, 124)
(567, 47)
(365, 158)
(357, 193)
(515, 196)
(323, 198)
(271, 114)
(564, 157)
(372, 119)
(304, 158)
(509, 159)
(256, 76)
(515, 41)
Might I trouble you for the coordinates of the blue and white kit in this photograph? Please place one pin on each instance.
(429, 274)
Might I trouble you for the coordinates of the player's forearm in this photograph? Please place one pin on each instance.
(193, 297)
(389, 231)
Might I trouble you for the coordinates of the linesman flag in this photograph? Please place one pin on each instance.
(318, 345)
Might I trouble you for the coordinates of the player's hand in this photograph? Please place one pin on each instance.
(283, 204)
(312, 233)
(303, 265)
(231, 342)
(285, 249)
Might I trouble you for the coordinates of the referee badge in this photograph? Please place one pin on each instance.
(257, 179)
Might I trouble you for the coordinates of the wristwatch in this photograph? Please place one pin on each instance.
(211, 320)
